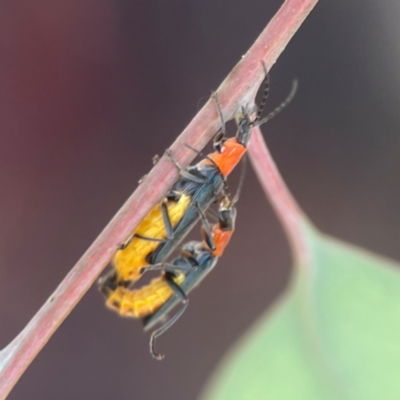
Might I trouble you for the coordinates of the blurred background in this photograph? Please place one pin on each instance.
(91, 90)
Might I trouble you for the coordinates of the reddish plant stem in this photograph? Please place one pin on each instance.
(285, 206)
(238, 88)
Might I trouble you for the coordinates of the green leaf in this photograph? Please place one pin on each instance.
(334, 335)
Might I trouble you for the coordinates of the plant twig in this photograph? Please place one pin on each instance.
(288, 211)
(238, 88)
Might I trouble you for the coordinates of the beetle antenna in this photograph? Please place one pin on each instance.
(266, 93)
(284, 104)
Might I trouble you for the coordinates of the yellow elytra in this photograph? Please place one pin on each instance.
(130, 261)
(141, 302)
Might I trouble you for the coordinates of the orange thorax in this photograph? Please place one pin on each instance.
(231, 154)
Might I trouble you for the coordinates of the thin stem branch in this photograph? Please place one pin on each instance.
(285, 206)
(238, 88)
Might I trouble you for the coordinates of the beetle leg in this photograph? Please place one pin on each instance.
(214, 96)
(182, 171)
(158, 332)
(208, 237)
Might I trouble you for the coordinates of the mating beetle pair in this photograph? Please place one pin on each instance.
(168, 223)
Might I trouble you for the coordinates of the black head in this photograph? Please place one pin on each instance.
(243, 133)
(227, 215)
